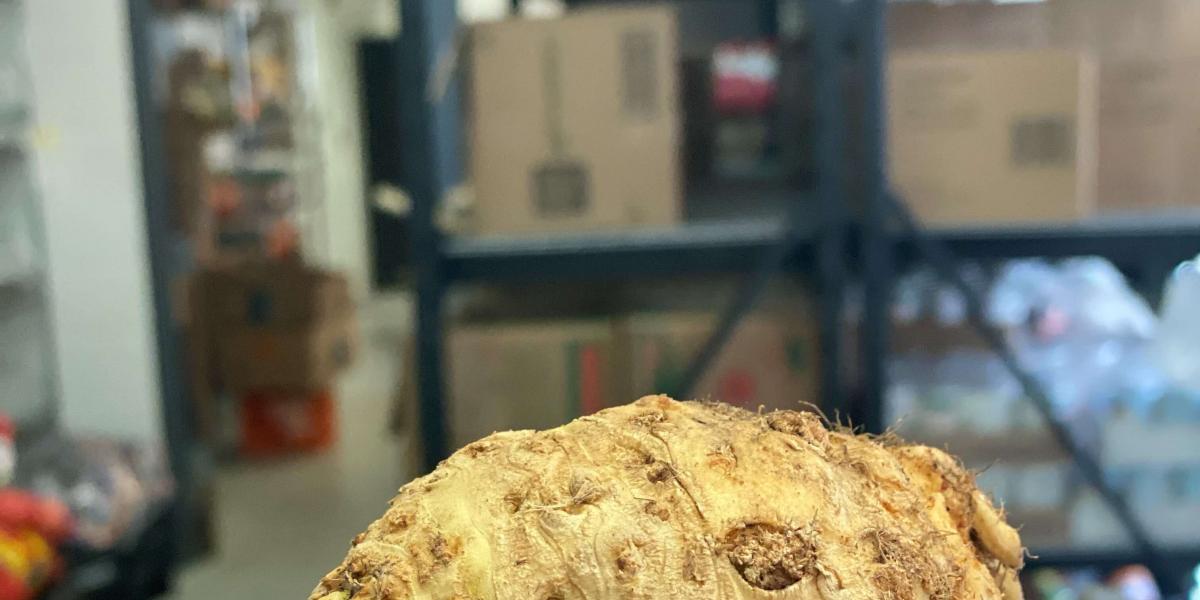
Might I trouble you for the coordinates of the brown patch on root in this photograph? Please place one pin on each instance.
(479, 448)
(892, 583)
(660, 472)
(906, 563)
(649, 418)
(722, 457)
(628, 560)
(805, 425)
(398, 521)
(550, 591)
(444, 550)
(691, 568)
(514, 500)
(658, 509)
(771, 557)
(583, 491)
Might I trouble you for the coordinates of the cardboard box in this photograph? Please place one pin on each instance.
(770, 361)
(993, 137)
(292, 357)
(1107, 28)
(277, 326)
(1141, 131)
(1147, 51)
(273, 294)
(928, 26)
(526, 375)
(1128, 28)
(575, 121)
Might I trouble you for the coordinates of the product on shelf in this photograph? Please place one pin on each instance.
(1176, 349)
(31, 529)
(1095, 346)
(275, 423)
(110, 489)
(745, 98)
(273, 325)
(1134, 582)
(1147, 56)
(574, 122)
(993, 137)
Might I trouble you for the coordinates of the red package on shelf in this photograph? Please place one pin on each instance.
(745, 77)
(277, 422)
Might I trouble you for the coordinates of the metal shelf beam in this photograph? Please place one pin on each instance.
(733, 247)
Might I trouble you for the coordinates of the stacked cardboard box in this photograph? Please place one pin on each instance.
(998, 136)
(527, 375)
(770, 360)
(1147, 52)
(505, 375)
(574, 122)
(279, 326)
(270, 335)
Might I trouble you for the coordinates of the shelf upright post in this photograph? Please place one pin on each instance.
(429, 166)
(166, 265)
(826, 25)
(876, 245)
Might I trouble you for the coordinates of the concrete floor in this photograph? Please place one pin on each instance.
(282, 525)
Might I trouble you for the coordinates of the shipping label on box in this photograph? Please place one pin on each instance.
(574, 121)
(993, 137)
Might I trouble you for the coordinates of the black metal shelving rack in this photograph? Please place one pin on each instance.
(828, 244)
(427, 167)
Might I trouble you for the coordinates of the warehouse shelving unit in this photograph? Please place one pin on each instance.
(814, 235)
(825, 244)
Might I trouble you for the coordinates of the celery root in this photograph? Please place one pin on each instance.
(674, 500)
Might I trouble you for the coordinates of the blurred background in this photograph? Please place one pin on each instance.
(264, 261)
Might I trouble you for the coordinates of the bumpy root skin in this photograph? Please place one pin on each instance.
(666, 500)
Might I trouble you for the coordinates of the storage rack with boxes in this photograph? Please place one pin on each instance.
(843, 35)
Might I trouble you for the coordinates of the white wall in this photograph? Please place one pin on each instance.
(90, 175)
(335, 234)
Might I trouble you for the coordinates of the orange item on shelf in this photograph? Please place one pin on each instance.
(283, 240)
(12, 587)
(27, 561)
(278, 422)
(224, 197)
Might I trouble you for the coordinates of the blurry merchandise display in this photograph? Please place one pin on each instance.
(745, 96)
(239, 152)
(1129, 583)
(266, 343)
(31, 529)
(1116, 375)
(1176, 348)
(61, 496)
(111, 488)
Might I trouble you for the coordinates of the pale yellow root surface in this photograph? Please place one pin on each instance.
(672, 500)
